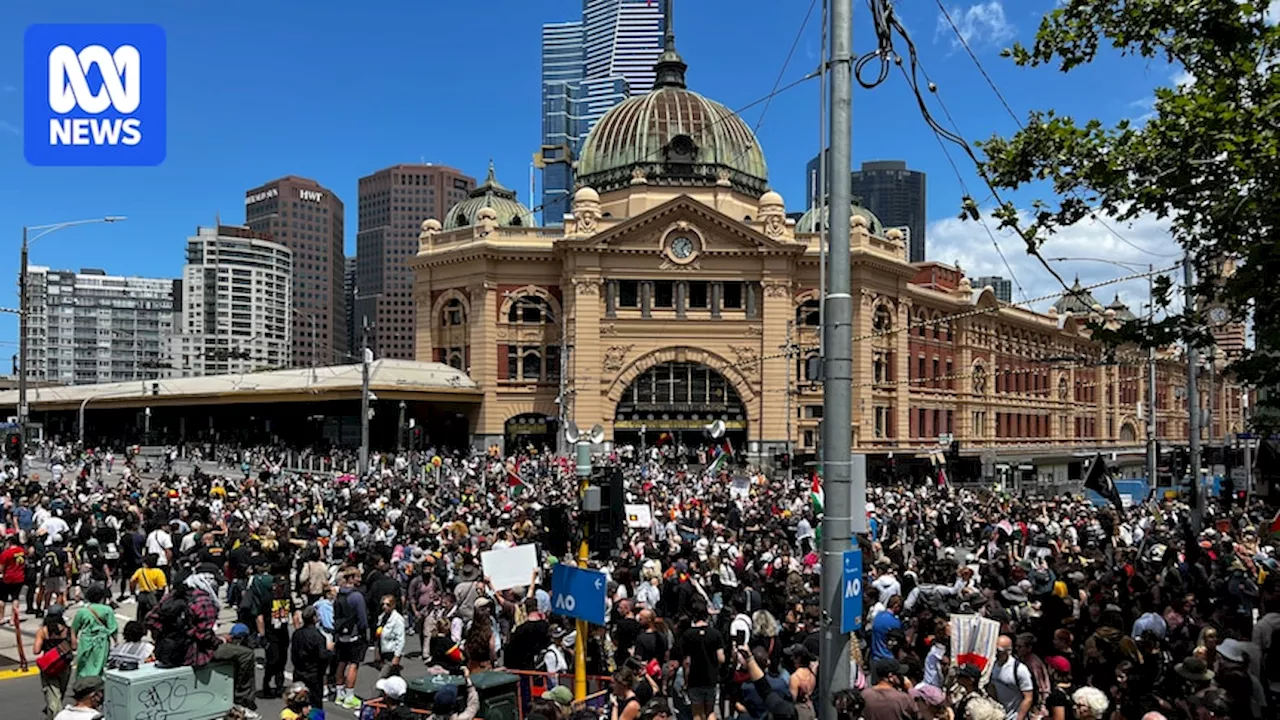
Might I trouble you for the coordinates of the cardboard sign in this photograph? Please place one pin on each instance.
(639, 516)
(510, 567)
(973, 642)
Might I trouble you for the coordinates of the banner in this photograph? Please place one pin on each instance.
(973, 642)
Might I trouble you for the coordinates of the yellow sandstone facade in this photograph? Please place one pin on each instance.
(678, 292)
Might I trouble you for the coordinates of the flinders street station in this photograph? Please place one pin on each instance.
(678, 292)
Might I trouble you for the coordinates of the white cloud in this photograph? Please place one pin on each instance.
(967, 243)
(980, 25)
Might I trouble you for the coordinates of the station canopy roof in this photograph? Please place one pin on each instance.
(402, 379)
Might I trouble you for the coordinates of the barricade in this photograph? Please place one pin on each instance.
(598, 689)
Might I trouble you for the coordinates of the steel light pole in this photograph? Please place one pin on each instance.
(30, 234)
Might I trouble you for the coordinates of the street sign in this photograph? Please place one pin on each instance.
(579, 593)
(945, 439)
(851, 614)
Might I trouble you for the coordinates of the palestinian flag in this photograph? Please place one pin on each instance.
(515, 483)
(720, 456)
(816, 495)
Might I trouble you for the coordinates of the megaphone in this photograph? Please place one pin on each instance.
(715, 429)
(597, 434)
(571, 433)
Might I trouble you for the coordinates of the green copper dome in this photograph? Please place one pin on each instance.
(490, 194)
(672, 136)
(808, 222)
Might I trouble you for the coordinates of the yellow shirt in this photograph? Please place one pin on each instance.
(287, 714)
(149, 579)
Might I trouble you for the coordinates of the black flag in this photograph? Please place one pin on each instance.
(1099, 480)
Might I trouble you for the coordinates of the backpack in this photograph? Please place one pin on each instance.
(174, 617)
(1037, 697)
(345, 623)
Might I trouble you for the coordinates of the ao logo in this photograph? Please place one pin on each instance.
(121, 79)
(853, 588)
(94, 95)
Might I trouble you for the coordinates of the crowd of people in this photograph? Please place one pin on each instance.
(1104, 612)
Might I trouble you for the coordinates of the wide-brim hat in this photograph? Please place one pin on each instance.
(469, 572)
(1193, 668)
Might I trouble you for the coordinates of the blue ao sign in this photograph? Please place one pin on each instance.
(578, 593)
(94, 95)
(851, 601)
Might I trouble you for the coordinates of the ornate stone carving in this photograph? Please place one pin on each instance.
(586, 210)
(609, 330)
(587, 220)
(502, 332)
(755, 331)
(775, 226)
(666, 264)
(614, 356)
(748, 361)
(430, 229)
(587, 287)
(638, 176)
(777, 289)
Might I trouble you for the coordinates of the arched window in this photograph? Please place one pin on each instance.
(453, 314)
(516, 221)
(979, 379)
(531, 310)
(807, 314)
(531, 364)
(881, 320)
(455, 360)
(461, 219)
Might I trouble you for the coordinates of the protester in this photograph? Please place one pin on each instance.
(55, 638)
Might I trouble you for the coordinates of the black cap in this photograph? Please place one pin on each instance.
(969, 670)
(885, 667)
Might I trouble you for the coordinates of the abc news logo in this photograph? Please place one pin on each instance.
(69, 90)
(95, 95)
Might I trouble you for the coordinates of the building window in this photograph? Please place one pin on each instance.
(454, 314)
(807, 314)
(699, 295)
(628, 293)
(664, 294)
(733, 296)
(881, 320)
(531, 310)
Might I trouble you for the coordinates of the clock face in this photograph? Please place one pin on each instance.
(1218, 315)
(681, 248)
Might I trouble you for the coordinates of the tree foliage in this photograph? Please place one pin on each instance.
(1208, 159)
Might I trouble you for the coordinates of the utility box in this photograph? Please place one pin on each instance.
(181, 693)
(497, 691)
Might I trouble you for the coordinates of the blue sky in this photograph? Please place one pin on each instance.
(334, 91)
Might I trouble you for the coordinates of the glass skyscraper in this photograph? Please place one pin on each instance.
(588, 66)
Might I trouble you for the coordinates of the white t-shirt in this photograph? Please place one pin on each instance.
(157, 543)
(55, 529)
(1008, 688)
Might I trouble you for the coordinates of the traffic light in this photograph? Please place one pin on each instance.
(13, 445)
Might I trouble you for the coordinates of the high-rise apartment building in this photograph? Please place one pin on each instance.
(1002, 287)
(393, 202)
(307, 218)
(887, 188)
(349, 309)
(90, 327)
(237, 311)
(588, 66)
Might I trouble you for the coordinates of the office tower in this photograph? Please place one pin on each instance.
(237, 314)
(588, 66)
(349, 309)
(888, 189)
(1002, 287)
(307, 218)
(393, 202)
(90, 327)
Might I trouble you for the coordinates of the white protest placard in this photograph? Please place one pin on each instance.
(639, 516)
(510, 567)
(973, 642)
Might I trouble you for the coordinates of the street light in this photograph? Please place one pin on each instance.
(1151, 354)
(28, 238)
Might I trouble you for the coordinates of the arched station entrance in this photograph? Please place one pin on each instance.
(673, 402)
(530, 430)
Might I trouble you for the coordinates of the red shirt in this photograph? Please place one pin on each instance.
(14, 563)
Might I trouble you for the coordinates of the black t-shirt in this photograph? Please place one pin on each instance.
(699, 644)
(624, 635)
(651, 646)
(1058, 697)
(526, 641)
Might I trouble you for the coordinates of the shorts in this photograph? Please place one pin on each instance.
(9, 592)
(706, 696)
(351, 652)
(55, 584)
